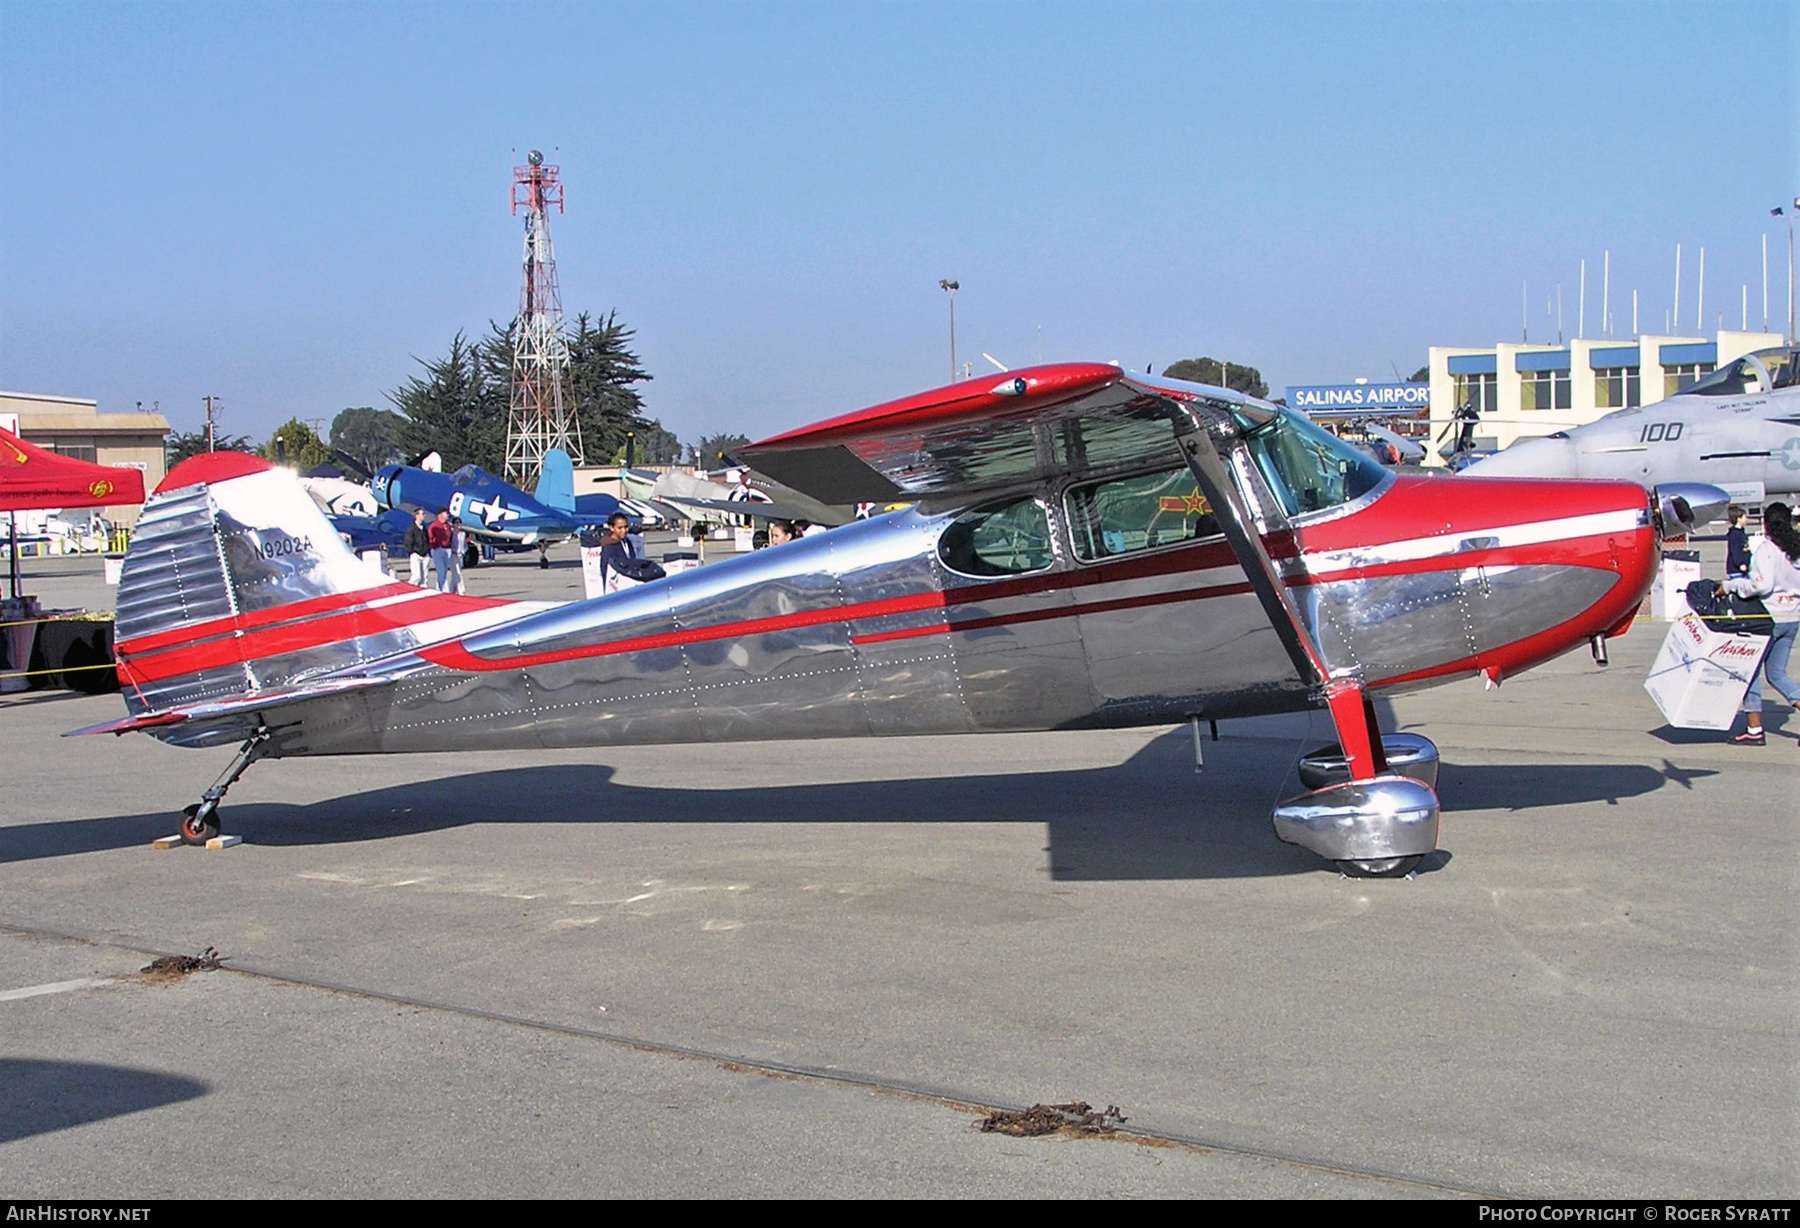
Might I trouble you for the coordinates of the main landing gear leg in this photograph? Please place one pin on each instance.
(543, 555)
(200, 822)
(1373, 808)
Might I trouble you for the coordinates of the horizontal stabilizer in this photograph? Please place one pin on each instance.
(238, 706)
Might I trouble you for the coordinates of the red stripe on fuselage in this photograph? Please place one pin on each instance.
(456, 656)
(262, 618)
(1032, 616)
(298, 636)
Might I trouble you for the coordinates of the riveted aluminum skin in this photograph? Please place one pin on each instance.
(175, 577)
(1365, 820)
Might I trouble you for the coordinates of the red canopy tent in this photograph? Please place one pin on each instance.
(33, 478)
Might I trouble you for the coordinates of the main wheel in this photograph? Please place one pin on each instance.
(198, 827)
(1383, 867)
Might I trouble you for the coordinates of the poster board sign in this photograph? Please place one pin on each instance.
(1700, 675)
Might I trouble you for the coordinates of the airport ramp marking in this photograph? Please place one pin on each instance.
(38, 991)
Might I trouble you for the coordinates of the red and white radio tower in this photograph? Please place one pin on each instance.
(537, 420)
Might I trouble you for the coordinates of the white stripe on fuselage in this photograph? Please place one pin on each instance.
(1528, 533)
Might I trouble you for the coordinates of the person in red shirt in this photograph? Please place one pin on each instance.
(440, 536)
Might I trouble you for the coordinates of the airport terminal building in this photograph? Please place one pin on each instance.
(1523, 390)
(72, 426)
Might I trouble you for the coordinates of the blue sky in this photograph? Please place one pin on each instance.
(286, 204)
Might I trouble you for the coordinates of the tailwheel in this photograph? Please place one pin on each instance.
(1381, 867)
(200, 823)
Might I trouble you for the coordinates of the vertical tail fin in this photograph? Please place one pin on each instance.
(236, 583)
(556, 482)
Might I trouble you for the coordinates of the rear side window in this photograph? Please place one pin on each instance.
(1138, 513)
(1003, 539)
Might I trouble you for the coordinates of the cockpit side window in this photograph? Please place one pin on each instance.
(1136, 513)
(1002, 539)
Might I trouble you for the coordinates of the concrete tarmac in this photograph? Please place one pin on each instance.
(807, 969)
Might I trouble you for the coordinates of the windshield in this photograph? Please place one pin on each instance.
(1308, 468)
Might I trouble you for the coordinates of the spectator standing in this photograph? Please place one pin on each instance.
(615, 547)
(418, 548)
(438, 534)
(1775, 579)
(1737, 542)
(459, 542)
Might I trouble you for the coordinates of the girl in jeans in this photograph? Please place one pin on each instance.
(1774, 578)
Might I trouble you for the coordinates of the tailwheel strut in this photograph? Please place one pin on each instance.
(200, 821)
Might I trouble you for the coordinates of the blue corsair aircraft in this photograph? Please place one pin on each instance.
(496, 511)
(386, 532)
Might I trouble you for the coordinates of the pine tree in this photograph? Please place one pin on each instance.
(459, 407)
(457, 410)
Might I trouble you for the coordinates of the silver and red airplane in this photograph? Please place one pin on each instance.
(1086, 549)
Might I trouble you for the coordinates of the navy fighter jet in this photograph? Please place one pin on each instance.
(1738, 427)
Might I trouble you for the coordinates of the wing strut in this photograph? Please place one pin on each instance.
(1360, 813)
(1343, 693)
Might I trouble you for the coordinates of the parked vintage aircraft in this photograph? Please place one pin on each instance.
(495, 510)
(1736, 428)
(1387, 446)
(1088, 549)
(693, 497)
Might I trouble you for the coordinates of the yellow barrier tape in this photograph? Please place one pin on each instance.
(104, 616)
(67, 669)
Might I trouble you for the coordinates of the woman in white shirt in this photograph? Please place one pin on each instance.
(1774, 578)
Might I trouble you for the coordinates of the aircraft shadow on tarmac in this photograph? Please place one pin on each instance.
(42, 1096)
(1150, 817)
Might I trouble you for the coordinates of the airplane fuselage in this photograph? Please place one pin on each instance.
(885, 627)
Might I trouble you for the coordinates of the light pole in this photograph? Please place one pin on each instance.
(951, 287)
(1778, 212)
